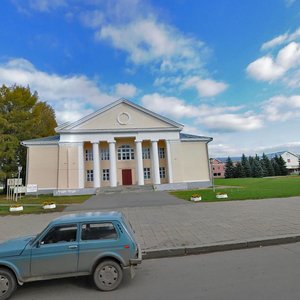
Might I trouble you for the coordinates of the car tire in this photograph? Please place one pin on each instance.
(8, 283)
(108, 275)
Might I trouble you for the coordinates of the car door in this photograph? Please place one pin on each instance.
(56, 252)
(97, 239)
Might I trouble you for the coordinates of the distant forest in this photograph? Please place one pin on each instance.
(255, 167)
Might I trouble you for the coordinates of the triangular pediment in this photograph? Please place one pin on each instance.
(121, 115)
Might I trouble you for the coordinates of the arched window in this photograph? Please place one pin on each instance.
(125, 152)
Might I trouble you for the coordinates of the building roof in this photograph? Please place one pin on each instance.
(272, 155)
(192, 137)
(49, 140)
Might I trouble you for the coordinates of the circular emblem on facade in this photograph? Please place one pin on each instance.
(123, 118)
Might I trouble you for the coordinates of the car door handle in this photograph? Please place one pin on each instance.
(73, 247)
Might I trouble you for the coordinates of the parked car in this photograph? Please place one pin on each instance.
(100, 244)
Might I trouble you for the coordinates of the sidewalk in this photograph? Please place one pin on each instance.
(179, 229)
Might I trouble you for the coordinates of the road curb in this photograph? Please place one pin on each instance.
(192, 250)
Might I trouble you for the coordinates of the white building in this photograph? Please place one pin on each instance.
(120, 144)
(291, 160)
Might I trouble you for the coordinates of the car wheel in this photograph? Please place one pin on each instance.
(108, 275)
(8, 283)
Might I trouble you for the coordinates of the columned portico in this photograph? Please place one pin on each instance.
(96, 164)
(80, 166)
(113, 163)
(155, 162)
(169, 162)
(139, 158)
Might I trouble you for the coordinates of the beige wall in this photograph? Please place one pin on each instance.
(68, 167)
(108, 119)
(189, 161)
(42, 166)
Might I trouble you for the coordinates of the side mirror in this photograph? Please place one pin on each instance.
(39, 243)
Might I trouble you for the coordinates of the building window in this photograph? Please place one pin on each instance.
(162, 172)
(105, 174)
(125, 152)
(147, 174)
(288, 160)
(89, 175)
(161, 152)
(98, 231)
(88, 154)
(146, 153)
(104, 154)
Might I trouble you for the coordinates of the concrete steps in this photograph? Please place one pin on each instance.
(124, 189)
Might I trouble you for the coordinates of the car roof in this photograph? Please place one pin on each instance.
(89, 217)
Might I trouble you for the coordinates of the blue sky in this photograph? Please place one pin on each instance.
(227, 69)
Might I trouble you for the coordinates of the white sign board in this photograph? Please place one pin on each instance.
(20, 190)
(14, 181)
(32, 188)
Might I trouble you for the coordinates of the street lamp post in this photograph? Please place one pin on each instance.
(19, 172)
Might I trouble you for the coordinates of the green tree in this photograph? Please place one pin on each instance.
(282, 166)
(239, 171)
(229, 168)
(257, 170)
(267, 166)
(275, 165)
(22, 117)
(246, 166)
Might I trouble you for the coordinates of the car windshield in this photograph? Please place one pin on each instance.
(35, 238)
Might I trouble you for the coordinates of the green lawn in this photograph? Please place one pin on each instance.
(60, 201)
(248, 188)
(47, 198)
(4, 210)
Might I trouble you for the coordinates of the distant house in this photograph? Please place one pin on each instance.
(217, 167)
(291, 160)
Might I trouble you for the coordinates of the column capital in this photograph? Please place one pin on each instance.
(154, 140)
(138, 141)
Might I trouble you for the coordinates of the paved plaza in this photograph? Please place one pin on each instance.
(164, 222)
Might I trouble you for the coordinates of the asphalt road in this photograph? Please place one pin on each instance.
(260, 273)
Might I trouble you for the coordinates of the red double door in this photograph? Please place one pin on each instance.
(126, 177)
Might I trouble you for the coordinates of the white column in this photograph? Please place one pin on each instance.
(155, 162)
(80, 166)
(139, 160)
(113, 164)
(96, 163)
(169, 162)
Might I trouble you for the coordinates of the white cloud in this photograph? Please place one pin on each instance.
(275, 42)
(232, 122)
(281, 39)
(282, 108)
(206, 87)
(220, 119)
(289, 3)
(267, 68)
(148, 40)
(125, 90)
(92, 19)
(38, 5)
(78, 92)
(170, 106)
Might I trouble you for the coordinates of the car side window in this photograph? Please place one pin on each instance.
(60, 234)
(98, 231)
